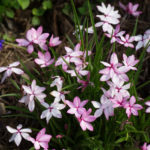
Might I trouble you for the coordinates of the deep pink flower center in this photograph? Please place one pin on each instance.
(118, 89)
(50, 108)
(18, 131)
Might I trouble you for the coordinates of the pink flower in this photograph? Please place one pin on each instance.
(127, 41)
(32, 92)
(119, 101)
(77, 107)
(34, 37)
(41, 140)
(145, 147)
(86, 119)
(132, 108)
(54, 41)
(115, 34)
(59, 136)
(110, 17)
(44, 60)
(18, 134)
(148, 104)
(10, 69)
(131, 9)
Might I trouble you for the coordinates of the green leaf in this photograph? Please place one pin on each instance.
(18, 109)
(15, 84)
(9, 95)
(47, 4)
(66, 10)
(24, 3)
(10, 13)
(38, 11)
(18, 115)
(32, 148)
(35, 21)
(121, 140)
(2, 9)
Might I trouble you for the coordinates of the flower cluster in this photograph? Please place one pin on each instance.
(34, 36)
(41, 140)
(75, 57)
(118, 94)
(54, 99)
(83, 115)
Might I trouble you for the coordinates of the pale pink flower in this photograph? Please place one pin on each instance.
(111, 69)
(41, 140)
(131, 9)
(86, 119)
(44, 60)
(132, 108)
(32, 92)
(115, 34)
(105, 106)
(60, 61)
(110, 17)
(148, 104)
(72, 56)
(18, 134)
(54, 41)
(117, 87)
(145, 147)
(129, 62)
(76, 107)
(78, 70)
(127, 41)
(10, 69)
(52, 110)
(34, 36)
(77, 57)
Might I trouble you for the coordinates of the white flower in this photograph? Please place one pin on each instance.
(88, 30)
(32, 92)
(18, 134)
(59, 95)
(10, 69)
(58, 82)
(52, 110)
(143, 40)
(110, 17)
(106, 105)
